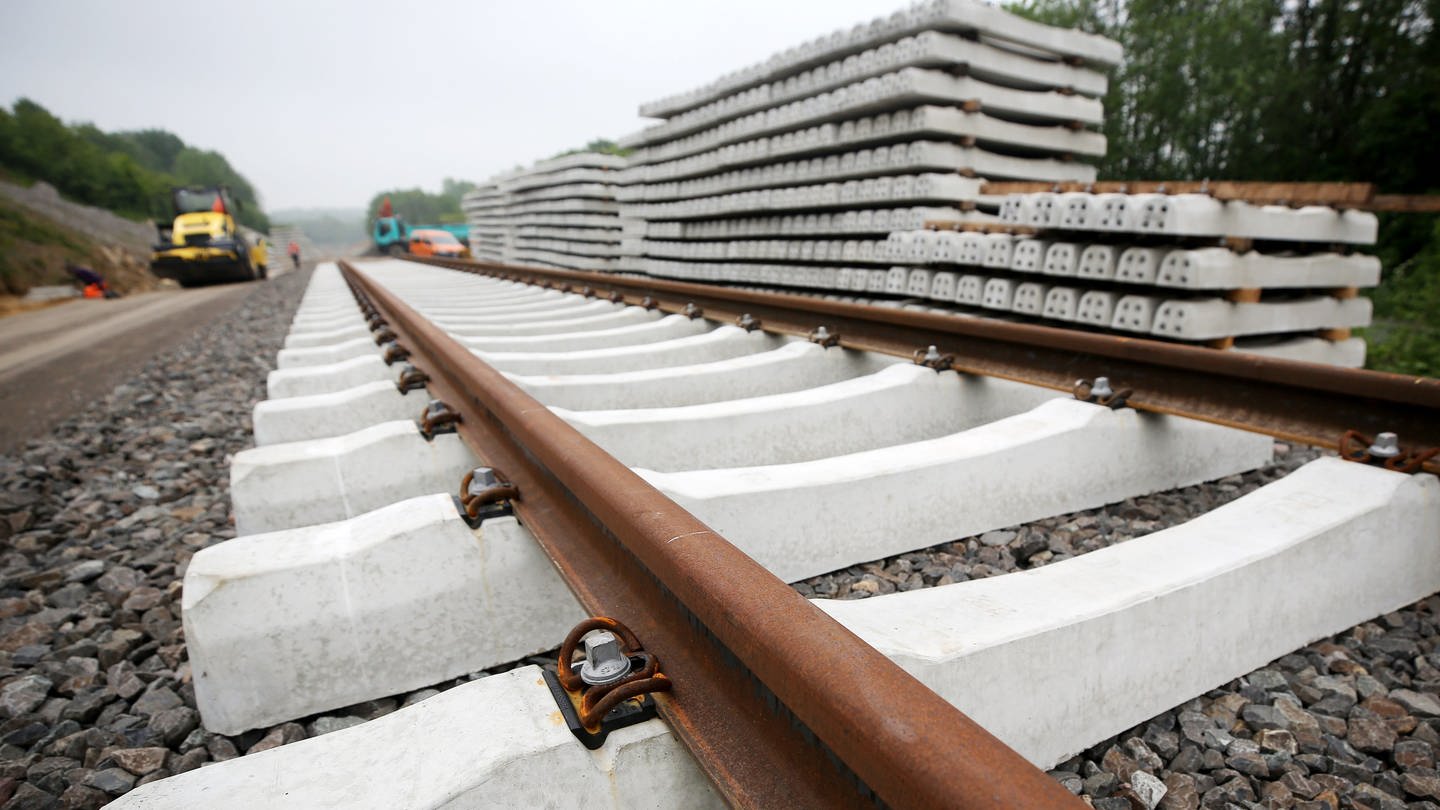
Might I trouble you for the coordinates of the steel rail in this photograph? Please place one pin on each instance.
(781, 705)
(1307, 403)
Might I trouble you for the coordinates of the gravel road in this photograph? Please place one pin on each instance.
(59, 361)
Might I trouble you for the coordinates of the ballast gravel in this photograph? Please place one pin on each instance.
(1349, 722)
(99, 520)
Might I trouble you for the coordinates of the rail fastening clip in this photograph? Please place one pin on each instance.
(411, 379)
(930, 357)
(1385, 451)
(824, 337)
(1099, 392)
(613, 686)
(485, 494)
(394, 353)
(437, 418)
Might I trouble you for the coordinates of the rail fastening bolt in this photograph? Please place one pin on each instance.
(605, 663)
(1387, 445)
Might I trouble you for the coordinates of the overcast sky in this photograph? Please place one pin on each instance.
(326, 103)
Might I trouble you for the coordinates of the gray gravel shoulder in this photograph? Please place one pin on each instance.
(98, 523)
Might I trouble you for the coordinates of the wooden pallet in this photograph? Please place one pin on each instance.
(980, 227)
(1360, 196)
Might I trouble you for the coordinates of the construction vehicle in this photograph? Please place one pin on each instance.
(391, 234)
(205, 244)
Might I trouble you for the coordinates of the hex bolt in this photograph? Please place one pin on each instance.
(435, 408)
(605, 663)
(482, 480)
(931, 358)
(824, 337)
(1387, 445)
(1100, 389)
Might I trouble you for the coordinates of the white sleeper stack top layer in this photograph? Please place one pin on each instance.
(814, 156)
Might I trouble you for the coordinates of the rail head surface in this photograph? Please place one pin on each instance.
(782, 706)
(1308, 403)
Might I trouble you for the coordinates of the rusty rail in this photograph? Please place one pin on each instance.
(782, 706)
(1306, 403)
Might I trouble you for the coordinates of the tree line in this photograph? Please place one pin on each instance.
(1303, 90)
(130, 173)
(419, 207)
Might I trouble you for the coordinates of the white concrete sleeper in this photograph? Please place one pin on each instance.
(284, 486)
(801, 520)
(490, 743)
(292, 623)
(1055, 659)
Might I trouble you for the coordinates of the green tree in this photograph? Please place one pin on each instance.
(418, 206)
(128, 172)
(155, 149)
(604, 146)
(205, 168)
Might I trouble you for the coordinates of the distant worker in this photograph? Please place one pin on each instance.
(92, 284)
(294, 251)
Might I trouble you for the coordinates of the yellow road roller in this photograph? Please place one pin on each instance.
(205, 245)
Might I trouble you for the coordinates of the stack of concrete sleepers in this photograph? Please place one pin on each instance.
(1185, 267)
(489, 225)
(795, 170)
(559, 213)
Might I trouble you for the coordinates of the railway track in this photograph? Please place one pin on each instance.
(671, 455)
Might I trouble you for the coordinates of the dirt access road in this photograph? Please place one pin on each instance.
(55, 361)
